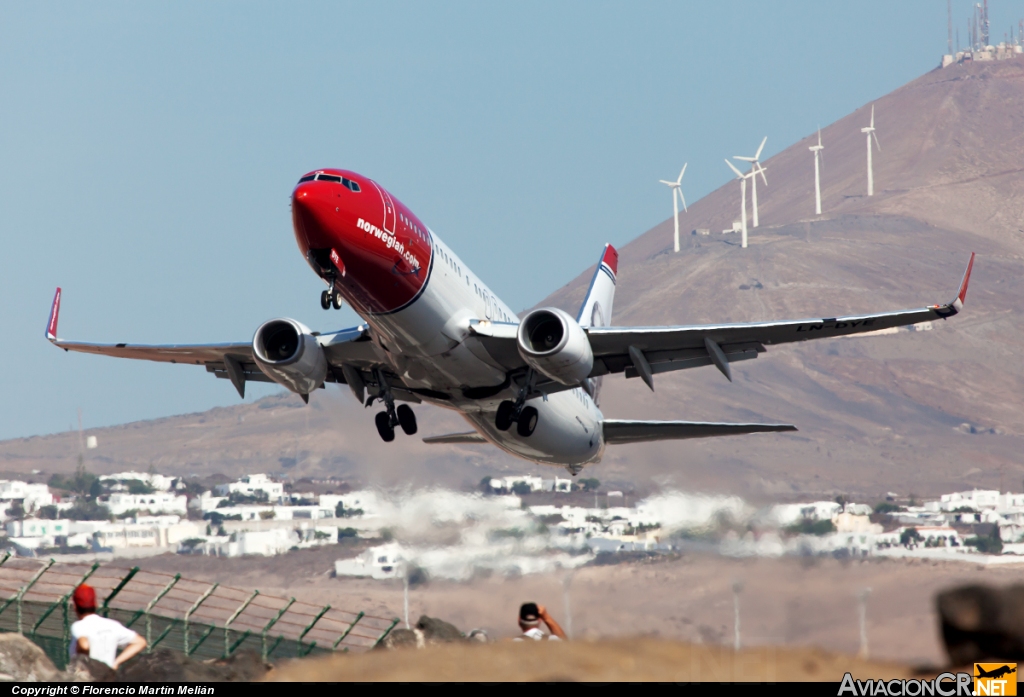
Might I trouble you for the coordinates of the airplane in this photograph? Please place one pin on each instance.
(994, 673)
(434, 333)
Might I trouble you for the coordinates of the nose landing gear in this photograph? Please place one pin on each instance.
(330, 298)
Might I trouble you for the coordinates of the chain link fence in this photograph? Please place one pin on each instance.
(200, 619)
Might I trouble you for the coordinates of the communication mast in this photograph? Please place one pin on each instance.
(949, 26)
(984, 24)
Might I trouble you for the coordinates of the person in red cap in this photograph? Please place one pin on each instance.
(98, 637)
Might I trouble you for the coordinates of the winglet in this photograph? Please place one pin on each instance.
(958, 303)
(51, 324)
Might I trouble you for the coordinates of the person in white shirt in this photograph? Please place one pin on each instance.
(530, 617)
(98, 637)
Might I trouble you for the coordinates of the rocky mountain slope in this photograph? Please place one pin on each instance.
(913, 412)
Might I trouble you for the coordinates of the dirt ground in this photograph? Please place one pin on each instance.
(786, 602)
(635, 660)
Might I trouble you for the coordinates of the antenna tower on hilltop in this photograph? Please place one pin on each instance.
(949, 26)
(984, 24)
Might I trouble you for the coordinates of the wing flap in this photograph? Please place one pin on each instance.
(623, 431)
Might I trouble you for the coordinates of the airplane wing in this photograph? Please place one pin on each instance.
(623, 431)
(646, 351)
(470, 437)
(347, 350)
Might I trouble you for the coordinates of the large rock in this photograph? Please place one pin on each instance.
(428, 630)
(980, 622)
(23, 661)
(164, 665)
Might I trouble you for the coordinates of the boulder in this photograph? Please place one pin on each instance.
(23, 661)
(164, 665)
(980, 622)
(437, 631)
(428, 630)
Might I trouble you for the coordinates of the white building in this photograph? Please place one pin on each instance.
(534, 483)
(976, 499)
(34, 527)
(252, 485)
(792, 513)
(385, 561)
(160, 502)
(269, 542)
(31, 496)
(119, 535)
(158, 481)
(365, 501)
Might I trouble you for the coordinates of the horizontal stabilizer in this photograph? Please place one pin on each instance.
(621, 431)
(470, 437)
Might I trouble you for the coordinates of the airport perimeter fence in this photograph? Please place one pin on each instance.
(202, 620)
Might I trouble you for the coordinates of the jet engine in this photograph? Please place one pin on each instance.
(289, 354)
(553, 343)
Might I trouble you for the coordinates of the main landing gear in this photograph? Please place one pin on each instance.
(330, 298)
(524, 417)
(386, 420)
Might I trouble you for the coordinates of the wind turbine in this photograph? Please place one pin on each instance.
(676, 187)
(755, 166)
(816, 149)
(743, 199)
(870, 131)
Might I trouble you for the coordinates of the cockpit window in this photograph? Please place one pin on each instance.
(324, 177)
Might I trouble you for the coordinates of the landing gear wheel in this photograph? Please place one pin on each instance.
(503, 419)
(336, 300)
(325, 300)
(527, 421)
(406, 419)
(384, 427)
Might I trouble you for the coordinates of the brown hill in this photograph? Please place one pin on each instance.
(875, 414)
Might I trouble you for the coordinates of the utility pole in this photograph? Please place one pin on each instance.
(737, 588)
(862, 611)
(566, 582)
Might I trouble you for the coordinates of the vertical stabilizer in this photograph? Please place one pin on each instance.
(597, 306)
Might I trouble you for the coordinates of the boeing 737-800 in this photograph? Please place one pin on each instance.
(434, 332)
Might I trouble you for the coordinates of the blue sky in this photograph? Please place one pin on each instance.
(149, 151)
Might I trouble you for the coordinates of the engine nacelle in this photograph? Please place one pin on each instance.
(289, 354)
(553, 343)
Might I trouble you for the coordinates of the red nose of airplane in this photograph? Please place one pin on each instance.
(313, 216)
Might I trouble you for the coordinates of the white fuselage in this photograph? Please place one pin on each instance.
(430, 346)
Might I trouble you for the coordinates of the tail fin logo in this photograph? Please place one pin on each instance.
(51, 324)
(610, 259)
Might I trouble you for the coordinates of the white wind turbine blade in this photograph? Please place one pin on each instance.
(819, 138)
(877, 144)
(760, 170)
(681, 173)
(757, 156)
(682, 198)
(872, 116)
(667, 183)
(744, 159)
(739, 174)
